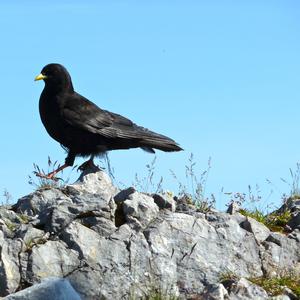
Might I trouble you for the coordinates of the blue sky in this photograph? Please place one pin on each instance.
(219, 77)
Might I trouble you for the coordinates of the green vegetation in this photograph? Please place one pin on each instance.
(228, 276)
(275, 285)
(23, 218)
(30, 243)
(11, 226)
(275, 221)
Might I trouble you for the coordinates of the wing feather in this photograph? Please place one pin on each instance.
(81, 113)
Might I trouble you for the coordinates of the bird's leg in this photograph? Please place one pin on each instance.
(68, 163)
(52, 174)
(89, 164)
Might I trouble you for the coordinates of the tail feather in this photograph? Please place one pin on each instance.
(160, 142)
(147, 139)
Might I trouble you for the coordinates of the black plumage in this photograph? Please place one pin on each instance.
(83, 128)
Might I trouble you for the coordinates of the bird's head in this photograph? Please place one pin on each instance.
(56, 77)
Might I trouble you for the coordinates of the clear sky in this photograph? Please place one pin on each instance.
(220, 77)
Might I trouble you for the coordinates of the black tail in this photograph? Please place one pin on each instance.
(160, 142)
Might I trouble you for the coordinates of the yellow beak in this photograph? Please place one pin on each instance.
(40, 77)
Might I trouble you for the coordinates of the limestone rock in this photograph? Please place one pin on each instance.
(165, 201)
(112, 244)
(244, 289)
(140, 209)
(259, 230)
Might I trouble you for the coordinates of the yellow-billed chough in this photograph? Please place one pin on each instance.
(84, 129)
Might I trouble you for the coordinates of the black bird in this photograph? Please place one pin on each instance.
(84, 129)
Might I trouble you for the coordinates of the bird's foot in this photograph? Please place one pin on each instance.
(88, 165)
(49, 176)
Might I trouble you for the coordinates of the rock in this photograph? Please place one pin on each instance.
(124, 194)
(244, 289)
(187, 251)
(292, 205)
(113, 244)
(259, 230)
(38, 202)
(280, 253)
(140, 209)
(281, 297)
(215, 292)
(48, 289)
(31, 236)
(294, 221)
(95, 183)
(103, 226)
(289, 293)
(84, 241)
(184, 204)
(7, 215)
(233, 208)
(9, 265)
(165, 201)
(50, 259)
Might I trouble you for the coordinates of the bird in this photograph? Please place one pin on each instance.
(84, 129)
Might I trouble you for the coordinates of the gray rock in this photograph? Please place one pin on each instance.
(140, 209)
(280, 253)
(292, 205)
(259, 230)
(97, 183)
(244, 289)
(191, 252)
(50, 259)
(215, 292)
(289, 293)
(39, 202)
(295, 220)
(233, 208)
(184, 204)
(165, 201)
(124, 194)
(84, 241)
(9, 265)
(132, 248)
(281, 297)
(6, 214)
(49, 289)
(31, 235)
(103, 226)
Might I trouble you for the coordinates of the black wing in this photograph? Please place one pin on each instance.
(81, 113)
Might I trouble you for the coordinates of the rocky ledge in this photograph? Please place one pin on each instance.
(89, 240)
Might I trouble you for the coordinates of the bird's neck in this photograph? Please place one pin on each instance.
(58, 88)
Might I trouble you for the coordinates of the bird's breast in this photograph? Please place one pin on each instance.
(51, 117)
